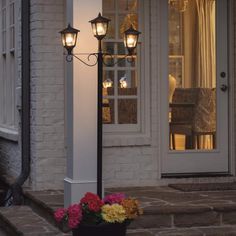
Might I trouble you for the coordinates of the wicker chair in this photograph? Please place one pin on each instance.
(193, 114)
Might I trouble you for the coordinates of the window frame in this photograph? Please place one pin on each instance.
(8, 64)
(136, 134)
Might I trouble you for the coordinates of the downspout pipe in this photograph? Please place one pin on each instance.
(25, 83)
(14, 195)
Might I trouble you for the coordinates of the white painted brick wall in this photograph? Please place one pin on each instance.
(47, 95)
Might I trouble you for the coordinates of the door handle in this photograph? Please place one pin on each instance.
(224, 87)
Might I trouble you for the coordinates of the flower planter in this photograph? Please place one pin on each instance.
(101, 230)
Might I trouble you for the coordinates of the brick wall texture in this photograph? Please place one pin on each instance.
(47, 95)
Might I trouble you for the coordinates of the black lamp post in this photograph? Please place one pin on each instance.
(69, 39)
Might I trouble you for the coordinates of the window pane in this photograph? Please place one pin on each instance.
(3, 19)
(3, 3)
(110, 49)
(125, 21)
(127, 83)
(192, 76)
(12, 14)
(111, 27)
(128, 5)
(176, 30)
(108, 111)
(4, 41)
(108, 5)
(122, 52)
(12, 38)
(127, 111)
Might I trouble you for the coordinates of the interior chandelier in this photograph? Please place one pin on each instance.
(179, 5)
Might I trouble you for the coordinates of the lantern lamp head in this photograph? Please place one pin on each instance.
(69, 38)
(100, 26)
(131, 39)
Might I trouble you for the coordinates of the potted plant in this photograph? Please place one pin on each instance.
(93, 216)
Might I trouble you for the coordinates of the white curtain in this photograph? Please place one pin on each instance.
(205, 44)
(200, 48)
(206, 52)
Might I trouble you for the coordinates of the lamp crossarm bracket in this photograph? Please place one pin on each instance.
(69, 58)
(128, 57)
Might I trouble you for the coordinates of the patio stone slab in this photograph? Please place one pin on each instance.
(21, 220)
(204, 186)
(164, 207)
(195, 231)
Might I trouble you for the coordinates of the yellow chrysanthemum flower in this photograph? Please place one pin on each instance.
(113, 213)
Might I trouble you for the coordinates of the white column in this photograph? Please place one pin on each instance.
(81, 105)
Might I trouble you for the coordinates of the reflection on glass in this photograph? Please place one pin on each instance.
(108, 83)
(108, 111)
(127, 111)
(122, 51)
(127, 83)
(125, 21)
(192, 76)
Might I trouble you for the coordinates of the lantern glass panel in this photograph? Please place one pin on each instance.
(101, 29)
(130, 41)
(70, 39)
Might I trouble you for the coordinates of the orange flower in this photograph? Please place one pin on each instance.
(132, 208)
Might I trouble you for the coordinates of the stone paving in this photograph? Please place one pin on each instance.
(167, 211)
(197, 231)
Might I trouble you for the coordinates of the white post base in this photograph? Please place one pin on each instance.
(75, 190)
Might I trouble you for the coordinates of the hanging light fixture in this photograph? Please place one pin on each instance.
(179, 5)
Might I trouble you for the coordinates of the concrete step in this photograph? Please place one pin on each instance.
(21, 220)
(171, 208)
(44, 203)
(163, 207)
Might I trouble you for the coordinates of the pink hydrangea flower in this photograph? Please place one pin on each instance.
(93, 202)
(59, 214)
(73, 223)
(114, 198)
(75, 211)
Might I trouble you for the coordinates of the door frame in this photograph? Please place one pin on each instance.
(163, 61)
(232, 97)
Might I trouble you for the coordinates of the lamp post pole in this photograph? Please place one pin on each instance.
(99, 120)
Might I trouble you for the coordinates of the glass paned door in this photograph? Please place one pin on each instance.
(197, 114)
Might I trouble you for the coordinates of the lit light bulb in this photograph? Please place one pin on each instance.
(69, 39)
(100, 29)
(131, 41)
